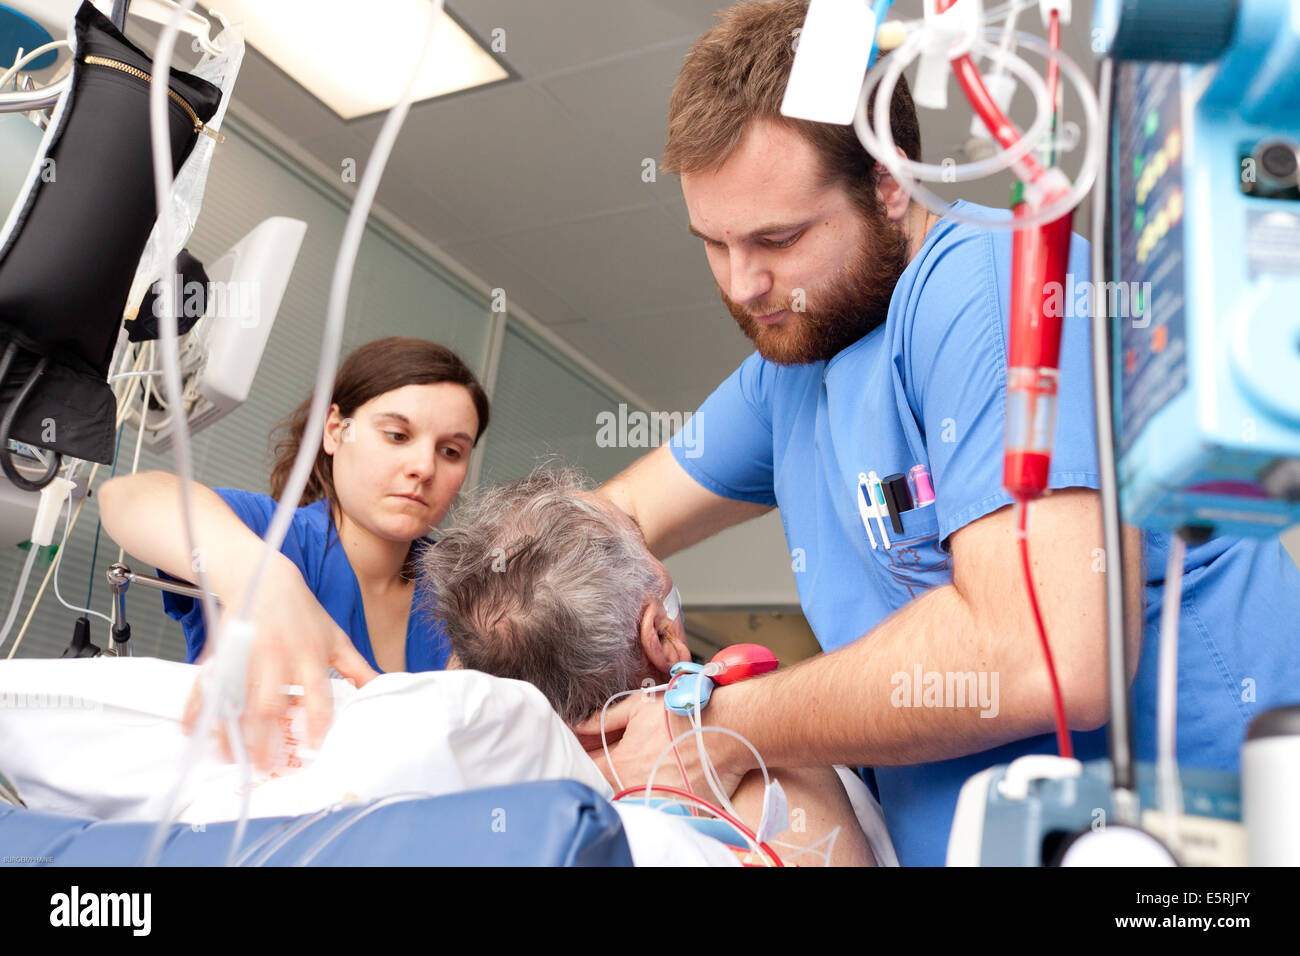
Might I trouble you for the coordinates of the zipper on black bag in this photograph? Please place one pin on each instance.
(199, 125)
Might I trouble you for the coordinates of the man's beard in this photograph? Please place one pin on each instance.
(838, 313)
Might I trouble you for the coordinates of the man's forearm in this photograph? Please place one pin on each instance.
(862, 704)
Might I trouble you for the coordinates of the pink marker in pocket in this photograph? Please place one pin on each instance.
(918, 479)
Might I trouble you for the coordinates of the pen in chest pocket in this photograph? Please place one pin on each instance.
(871, 505)
(918, 480)
(897, 499)
(878, 499)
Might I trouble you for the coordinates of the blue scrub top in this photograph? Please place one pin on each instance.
(313, 545)
(928, 387)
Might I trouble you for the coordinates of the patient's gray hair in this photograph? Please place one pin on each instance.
(538, 583)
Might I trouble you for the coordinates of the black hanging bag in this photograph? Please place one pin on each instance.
(69, 251)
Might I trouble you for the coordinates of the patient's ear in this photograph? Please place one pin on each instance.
(663, 640)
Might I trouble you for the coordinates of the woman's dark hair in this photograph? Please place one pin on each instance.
(371, 370)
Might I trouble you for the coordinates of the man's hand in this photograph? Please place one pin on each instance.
(840, 707)
(295, 643)
(642, 733)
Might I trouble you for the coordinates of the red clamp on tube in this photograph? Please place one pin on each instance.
(740, 661)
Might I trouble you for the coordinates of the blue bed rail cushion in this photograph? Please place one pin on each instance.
(548, 823)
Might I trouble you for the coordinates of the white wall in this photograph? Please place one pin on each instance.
(746, 566)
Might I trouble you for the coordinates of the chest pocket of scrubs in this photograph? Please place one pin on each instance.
(914, 562)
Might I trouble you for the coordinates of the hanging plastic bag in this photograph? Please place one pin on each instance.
(221, 70)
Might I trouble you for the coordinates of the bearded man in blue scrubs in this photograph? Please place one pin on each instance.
(881, 335)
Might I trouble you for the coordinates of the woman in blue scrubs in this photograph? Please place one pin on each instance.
(405, 415)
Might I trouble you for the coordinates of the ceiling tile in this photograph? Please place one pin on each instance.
(507, 158)
(410, 203)
(629, 262)
(626, 104)
(500, 270)
(673, 359)
(557, 34)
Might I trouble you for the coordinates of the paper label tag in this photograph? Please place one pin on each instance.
(830, 61)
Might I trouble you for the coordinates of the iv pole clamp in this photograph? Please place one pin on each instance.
(121, 577)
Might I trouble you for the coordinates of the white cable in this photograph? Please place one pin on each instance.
(121, 349)
(53, 568)
(996, 15)
(361, 815)
(18, 595)
(1169, 791)
(605, 743)
(58, 563)
(699, 731)
(1087, 174)
(159, 398)
(710, 775)
(707, 768)
(149, 374)
(829, 839)
(259, 853)
(331, 344)
(710, 771)
(332, 340)
(139, 441)
(245, 785)
(880, 141)
(27, 58)
(882, 149)
(1007, 45)
(160, 142)
(127, 395)
(654, 769)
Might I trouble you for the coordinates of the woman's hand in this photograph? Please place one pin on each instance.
(295, 642)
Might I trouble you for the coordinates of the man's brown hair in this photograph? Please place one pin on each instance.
(737, 72)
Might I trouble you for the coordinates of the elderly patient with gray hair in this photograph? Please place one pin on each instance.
(543, 581)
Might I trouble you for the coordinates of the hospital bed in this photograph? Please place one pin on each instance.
(546, 823)
(493, 777)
